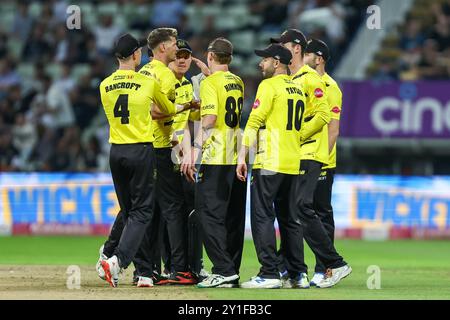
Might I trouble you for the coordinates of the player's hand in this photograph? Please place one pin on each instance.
(187, 167)
(202, 66)
(241, 171)
(190, 175)
(195, 104)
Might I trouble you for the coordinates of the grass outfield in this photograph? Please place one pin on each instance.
(409, 269)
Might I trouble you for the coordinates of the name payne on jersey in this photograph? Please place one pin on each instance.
(123, 85)
(195, 310)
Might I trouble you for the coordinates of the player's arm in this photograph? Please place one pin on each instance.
(164, 107)
(208, 111)
(335, 103)
(315, 88)
(258, 116)
(202, 66)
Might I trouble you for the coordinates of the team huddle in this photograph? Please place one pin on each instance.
(179, 163)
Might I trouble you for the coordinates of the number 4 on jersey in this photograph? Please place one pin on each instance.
(121, 109)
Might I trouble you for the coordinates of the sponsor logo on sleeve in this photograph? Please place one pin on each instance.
(256, 104)
(336, 110)
(318, 93)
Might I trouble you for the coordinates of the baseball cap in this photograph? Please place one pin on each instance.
(276, 51)
(221, 45)
(126, 44)
(183, 45)
(291, 35)
(318, 47)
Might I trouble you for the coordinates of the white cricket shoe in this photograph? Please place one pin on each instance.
(285, 281)
(112, 270)
(262, 283)
(317, 278)
(216, 280)
(144, 282)
(98, 266)
(333, 276)
(301, 281)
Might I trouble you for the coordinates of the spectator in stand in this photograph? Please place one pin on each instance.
(61, 43)
(8, 74)
(430, 66)
(24, 139)
(86, 102)
(37, 48)
(8, 153)
(92, 155)
(441, 32)
(105, 35)
(23, 22)
(413, 37)
(59, 113)
(167, 13)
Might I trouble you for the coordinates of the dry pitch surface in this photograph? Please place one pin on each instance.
(35, 282)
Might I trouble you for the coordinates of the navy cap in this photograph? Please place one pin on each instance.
(291, 35)
(318, 47)
(183, 45)
(126, 44)
(276, 51)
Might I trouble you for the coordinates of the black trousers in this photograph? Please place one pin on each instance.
(156, 244)
(171, 201)
(220, 201)
(114, 236)
(302, 204)
(323, 208)
(266, 188)
(131, 169)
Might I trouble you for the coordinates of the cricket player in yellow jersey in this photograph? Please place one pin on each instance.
(184, 93)
(170, 200)
(316, 56)
(127, 98)
(314, 154)
(220, 196)
(277, 166)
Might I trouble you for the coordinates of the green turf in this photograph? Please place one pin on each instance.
(409, 269)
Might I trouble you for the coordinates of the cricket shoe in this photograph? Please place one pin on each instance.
(216, 280)
(333, 276)
(231, 284)
(262, 283)
(182, 278)
(98, 266)
(203, 275)
(317, 278)
(144, 282)
(286, 282)
(159, 280)
(112, 270)
(299, 282)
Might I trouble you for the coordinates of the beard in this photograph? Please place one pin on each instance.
(268, 72)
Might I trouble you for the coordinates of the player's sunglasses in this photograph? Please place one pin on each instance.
(183, 54)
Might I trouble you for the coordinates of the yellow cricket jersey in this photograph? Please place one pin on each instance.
(127, 97)
(314, 131)
(162, 128)
(184, 93)
(278, 107)
(334, 95)
(222, 95)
